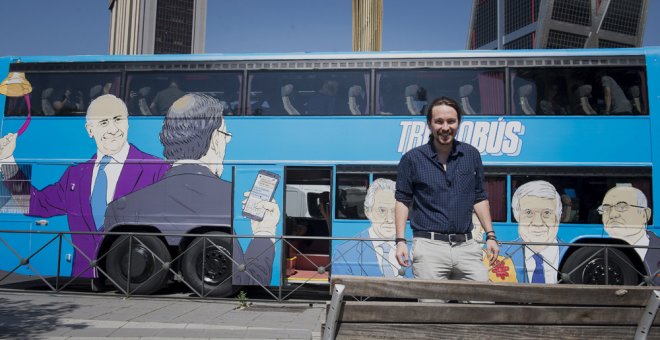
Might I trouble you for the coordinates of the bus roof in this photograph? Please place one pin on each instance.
(341, 55)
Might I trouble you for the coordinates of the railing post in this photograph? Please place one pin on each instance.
(607, 265)
(59, 262)
(283, 271)
(128, 269)
(203, 264)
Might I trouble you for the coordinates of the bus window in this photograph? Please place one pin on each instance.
(152, 93)
(18, 178)
(580, 196)
(391, 177)
(63, 94)
(309, 93)
(496, 188)
(408, 92)
(351, 191)
(579, 91)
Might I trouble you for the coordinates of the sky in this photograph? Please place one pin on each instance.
(71, 27)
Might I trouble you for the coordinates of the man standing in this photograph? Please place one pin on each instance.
(439, 185)
(191, 194)
(625, 213)
(377, 257)
(537, 207)
(84, 190)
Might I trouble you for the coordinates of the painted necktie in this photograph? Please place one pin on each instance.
(385, 266)
(539, 275)
(99, 199)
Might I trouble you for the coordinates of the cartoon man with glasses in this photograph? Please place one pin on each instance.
(625, 214)
(195, 138)
(537, 207)
(377, 257)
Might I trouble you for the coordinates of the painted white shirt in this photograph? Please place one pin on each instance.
(112, 170)
(391, 257)
(550, 263)
(642, 242)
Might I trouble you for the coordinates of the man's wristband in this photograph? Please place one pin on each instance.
(490, 232)
(399, 239)
(491, 237)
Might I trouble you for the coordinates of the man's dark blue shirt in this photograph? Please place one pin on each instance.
(441, 201)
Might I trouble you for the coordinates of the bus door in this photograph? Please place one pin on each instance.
(257, 213)
(39, 254)
(308, 217)
(15, 246)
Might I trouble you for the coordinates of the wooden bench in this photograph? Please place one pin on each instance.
(509, 310)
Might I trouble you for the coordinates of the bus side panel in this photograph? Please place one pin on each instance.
(15, 246)
(261, 256)
(42, 249)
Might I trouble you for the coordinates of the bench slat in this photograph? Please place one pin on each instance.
(416, 312)
(468, 331)
(497, 292)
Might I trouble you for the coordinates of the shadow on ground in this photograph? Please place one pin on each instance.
(25, 319)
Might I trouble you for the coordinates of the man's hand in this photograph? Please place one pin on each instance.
(268, 224)
(493, 251)
(7, 145)
(402, 254)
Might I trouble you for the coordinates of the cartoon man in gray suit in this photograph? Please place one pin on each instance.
(625, 213)
(191, 193)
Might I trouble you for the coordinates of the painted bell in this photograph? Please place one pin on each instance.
(15, 85)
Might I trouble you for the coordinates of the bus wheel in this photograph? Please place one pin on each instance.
(588, 266)
(207, 265)
(147, 272)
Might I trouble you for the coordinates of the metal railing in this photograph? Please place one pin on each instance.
(601, 263)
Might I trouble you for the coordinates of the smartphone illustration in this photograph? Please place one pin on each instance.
(263, 189)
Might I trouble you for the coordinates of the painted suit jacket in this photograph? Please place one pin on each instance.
(517, 255)
(189, 196)
(652, 257)
(358, 258)
(70, 196)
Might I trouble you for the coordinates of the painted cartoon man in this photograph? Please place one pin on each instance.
(503, 270)
(84, 190)
(195, 137)
(537, 208)
(372, 258)
(625, 214)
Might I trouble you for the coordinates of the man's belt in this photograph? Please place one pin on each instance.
(451, 238)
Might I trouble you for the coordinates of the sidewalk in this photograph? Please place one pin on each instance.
(27, 315)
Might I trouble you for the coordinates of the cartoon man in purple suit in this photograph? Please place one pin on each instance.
(84, 190)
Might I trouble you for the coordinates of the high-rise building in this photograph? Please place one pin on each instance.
(367, 25)
(157, 26)
(526, 24)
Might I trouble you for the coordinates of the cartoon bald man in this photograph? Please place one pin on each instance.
(625, 214)
(84, 190)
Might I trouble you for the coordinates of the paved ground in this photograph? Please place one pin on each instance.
(40, 315)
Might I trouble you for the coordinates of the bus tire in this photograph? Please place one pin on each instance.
(148, 274)
(587, 266)
(209, 270)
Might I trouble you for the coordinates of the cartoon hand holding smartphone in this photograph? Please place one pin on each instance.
(259, 205)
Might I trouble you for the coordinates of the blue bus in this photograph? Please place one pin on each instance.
(309, 150)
